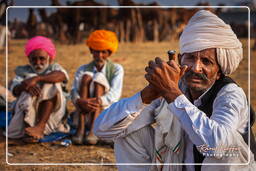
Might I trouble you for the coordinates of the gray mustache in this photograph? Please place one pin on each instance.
(39, 66)
(198, 75)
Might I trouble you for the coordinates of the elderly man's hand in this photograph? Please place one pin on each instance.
(30, 82)
(165, 77)
(34, 91)
(88, 105)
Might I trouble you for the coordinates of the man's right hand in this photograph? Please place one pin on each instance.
(148, 94)
(30, 82)
(88, 105)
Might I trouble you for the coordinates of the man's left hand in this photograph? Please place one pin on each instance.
(165, 77)
(30, 82)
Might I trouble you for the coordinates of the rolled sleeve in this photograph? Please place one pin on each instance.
(113, 120)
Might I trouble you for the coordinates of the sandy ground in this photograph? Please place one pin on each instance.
(134, 58)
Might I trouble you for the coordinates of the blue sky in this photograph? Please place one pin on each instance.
(22, 13)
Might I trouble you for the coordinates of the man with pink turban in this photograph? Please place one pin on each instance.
(97, 85)
(190, 112)
(38, 86)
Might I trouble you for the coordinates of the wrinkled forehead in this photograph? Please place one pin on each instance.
(209, 53)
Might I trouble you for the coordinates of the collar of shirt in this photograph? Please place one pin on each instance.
(196, 102)
(103, 69)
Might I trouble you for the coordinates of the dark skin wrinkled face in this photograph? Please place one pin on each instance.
(39, 60)
(100, 57)
(203, 70)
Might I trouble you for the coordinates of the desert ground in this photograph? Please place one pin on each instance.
(134, 58)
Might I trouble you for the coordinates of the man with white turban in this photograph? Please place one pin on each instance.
(199, 114)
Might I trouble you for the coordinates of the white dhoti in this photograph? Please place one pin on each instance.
(99, 78)
(26, 111)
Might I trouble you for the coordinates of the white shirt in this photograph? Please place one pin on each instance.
(230, 111)
(26, 71)
(115, 86)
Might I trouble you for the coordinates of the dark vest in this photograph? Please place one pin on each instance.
(206, 107)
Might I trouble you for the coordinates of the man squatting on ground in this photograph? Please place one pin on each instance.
(41, 103)
(96, 85)
(193, 107)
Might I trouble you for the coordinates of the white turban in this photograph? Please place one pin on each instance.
(205, 30)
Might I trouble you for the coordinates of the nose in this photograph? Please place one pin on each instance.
(100, 54)
(197, 66)
(35, 61)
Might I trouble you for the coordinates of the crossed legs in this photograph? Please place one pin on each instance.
(98, 92)
(92, 115)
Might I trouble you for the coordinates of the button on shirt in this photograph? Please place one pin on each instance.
(230, 111)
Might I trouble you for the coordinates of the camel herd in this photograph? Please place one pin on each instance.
(131, 23)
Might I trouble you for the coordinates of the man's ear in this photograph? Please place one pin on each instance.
(50, 60)
(220, 74)
(90, 50)
(110, 52)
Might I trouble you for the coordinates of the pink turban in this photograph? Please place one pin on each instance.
(40, 42)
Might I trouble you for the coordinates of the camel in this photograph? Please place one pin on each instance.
(31, 23)
(131, 27)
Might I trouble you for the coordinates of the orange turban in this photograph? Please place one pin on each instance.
(102, 40)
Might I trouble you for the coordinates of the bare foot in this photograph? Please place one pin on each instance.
(36, 132)
(92, 139)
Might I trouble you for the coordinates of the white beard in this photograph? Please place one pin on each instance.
(39, 69)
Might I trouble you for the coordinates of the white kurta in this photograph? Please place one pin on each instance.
(230, 116)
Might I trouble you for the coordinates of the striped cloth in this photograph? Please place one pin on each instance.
(169, 144)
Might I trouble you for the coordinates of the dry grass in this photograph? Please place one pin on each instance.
(134, 58)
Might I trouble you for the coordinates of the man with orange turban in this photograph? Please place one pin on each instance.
(38, 87)
(97, 85)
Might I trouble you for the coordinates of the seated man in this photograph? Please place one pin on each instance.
(97, 84)
(41, 103)
(201, 115)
